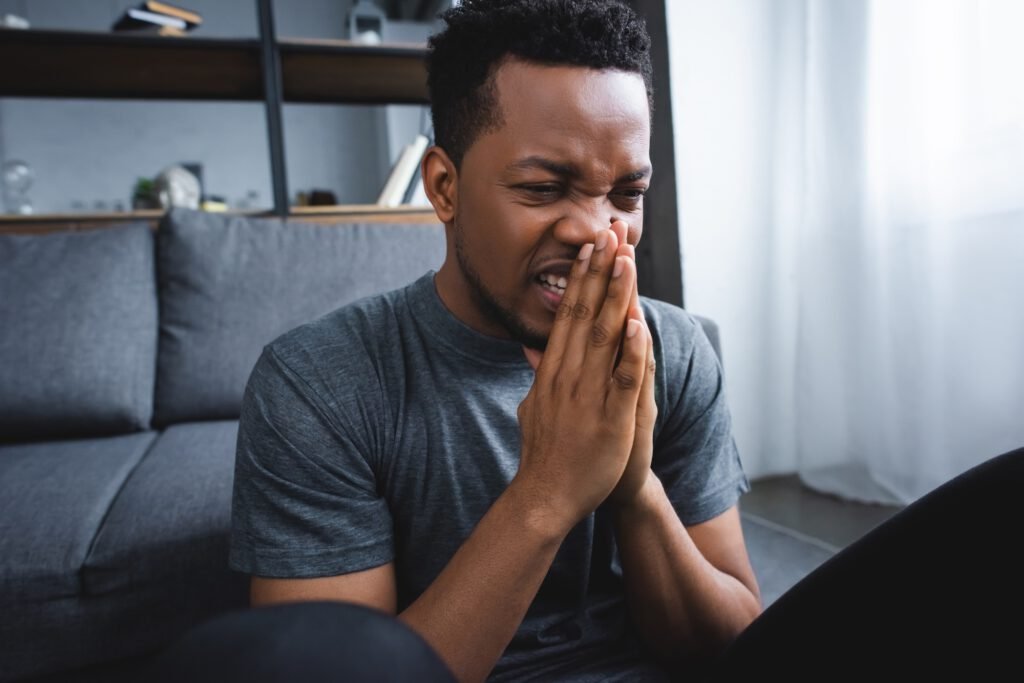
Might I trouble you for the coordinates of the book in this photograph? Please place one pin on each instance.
(188, 16)
(134, 19)
(154, 30)
(402, 172)
(419, 195)
(415, 182)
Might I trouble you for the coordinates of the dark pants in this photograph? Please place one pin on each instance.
(313, 642)
(936, 590)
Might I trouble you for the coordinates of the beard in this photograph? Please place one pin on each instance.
(491, 306)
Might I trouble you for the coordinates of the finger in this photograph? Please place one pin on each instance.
(587, 303)
(628, 377)
(555, 349)
(621, 229)
(647, 408)
(629, 251)
(606, 333)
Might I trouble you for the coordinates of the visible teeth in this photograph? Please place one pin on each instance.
(553, 280)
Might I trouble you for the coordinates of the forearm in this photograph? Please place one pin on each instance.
(681, 603)
(472, 610)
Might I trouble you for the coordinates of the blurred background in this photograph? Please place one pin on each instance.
(851, 199)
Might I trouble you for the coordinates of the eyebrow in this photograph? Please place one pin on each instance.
(570, 170)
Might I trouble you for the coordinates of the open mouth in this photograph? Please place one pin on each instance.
(555, 284)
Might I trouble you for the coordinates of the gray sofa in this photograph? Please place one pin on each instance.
(123, 357)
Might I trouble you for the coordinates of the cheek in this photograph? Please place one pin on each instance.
(634, 233)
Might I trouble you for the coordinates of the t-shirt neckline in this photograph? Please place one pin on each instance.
(427, 307)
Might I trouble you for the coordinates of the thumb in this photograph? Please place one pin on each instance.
(533, 357)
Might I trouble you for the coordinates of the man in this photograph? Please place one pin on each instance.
(528, 464)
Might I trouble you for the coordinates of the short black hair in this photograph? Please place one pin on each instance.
(480, 34)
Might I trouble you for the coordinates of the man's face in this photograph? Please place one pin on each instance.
(571, 156)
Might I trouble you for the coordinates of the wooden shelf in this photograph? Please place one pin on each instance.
(122, 65)
(326, 71)
(343, 213)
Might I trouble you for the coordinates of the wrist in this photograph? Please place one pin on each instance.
(538, 512)
(645, 499)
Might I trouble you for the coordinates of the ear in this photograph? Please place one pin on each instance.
(440, 180)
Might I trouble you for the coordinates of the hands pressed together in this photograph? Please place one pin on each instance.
(587, 423)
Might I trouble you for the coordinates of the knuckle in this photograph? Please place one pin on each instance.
(624, 380)
(652, 367)
(564, 311)
(580, 310)
(599, 335)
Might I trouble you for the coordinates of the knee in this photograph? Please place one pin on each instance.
(316, 641)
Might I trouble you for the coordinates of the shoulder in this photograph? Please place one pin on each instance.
(677, 334)
(326, 357)
(352, 333)
(686, 362)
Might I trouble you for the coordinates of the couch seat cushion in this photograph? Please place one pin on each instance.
(79, 318)
(173, 516)
(229, 285)
(53, 498)
(160, 561)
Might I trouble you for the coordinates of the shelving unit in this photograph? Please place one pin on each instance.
(69, 64)
(117, 65)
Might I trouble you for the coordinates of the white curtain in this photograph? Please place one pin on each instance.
(851, 183)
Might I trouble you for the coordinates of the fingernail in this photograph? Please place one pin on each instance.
(585, 251)
(632, 327)
(620, 263)
(602, 240)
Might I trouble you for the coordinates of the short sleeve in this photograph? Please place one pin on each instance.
(305, 500)
(695, 455)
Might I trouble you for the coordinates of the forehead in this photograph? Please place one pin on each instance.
(571, 110)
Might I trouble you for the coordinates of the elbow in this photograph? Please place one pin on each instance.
(699, 646)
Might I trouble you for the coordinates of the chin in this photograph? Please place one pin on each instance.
(528, 334)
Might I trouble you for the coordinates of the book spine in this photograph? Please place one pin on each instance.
(401, 176)
(187, 15)
(144, 17)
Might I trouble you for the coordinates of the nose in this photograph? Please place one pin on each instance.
(581, 224)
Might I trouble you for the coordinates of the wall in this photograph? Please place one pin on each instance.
(87, 154)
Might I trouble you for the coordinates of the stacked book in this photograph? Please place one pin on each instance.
(158, 17)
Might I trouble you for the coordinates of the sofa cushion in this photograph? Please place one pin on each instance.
(79, 320)
(161, 556)
(230, 285)
(173, 515)
(53, 497)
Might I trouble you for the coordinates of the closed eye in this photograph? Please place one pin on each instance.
(541, 192)
(542, 189)
(631, 197)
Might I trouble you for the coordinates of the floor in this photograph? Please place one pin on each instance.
(790, 529)
(838, 523)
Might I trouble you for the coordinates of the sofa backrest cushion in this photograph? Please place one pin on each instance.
(230, 285)
(78, 325)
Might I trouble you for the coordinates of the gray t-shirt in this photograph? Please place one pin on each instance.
(386, 429)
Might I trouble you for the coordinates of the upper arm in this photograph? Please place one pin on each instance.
(306, 500)
(720, 541)
(371, 587)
